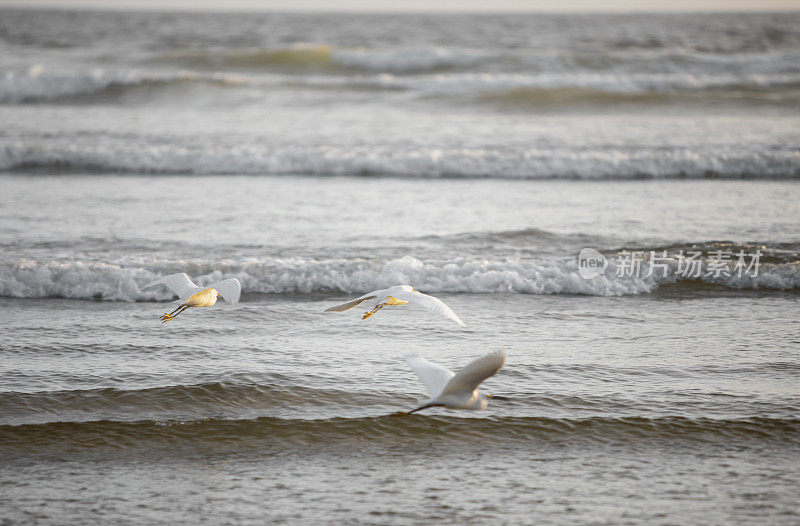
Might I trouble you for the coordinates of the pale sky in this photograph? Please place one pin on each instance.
(421, 5)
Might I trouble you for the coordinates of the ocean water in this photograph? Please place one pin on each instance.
(318, 157)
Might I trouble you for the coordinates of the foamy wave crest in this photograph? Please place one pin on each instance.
(122, 280)
(322, 58)
(619, 64)
(599, 86)
(213, 159)
(409, 60)
(38, 85)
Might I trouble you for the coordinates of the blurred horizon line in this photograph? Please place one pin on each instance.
(393, 10)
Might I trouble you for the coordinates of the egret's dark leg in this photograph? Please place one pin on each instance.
(401, 413)
(173, 312)
(373, 311)
(166, 317)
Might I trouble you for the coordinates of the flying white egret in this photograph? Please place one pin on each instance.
(190, 295)
(456, 390)
(398, 295)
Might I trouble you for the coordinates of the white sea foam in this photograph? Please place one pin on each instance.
(594, 83)
(408, 60)
(122, 281)
(38, 84)
(416, 59)
(532, 163)
(429, 72)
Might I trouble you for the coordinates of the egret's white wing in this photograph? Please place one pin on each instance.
(435, 377)
(429, 302)
(351, 304)
(180, 284)
(471, 375)
(230, 289)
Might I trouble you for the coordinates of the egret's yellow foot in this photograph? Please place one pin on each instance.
(366, 315)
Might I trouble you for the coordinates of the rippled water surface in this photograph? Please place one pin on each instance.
(642, 400)
(504, 96)
(319, 157)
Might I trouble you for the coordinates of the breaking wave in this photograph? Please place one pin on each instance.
(300, 58)
(536, 97)
(257, 159)
(37, 85)
(410, 60)
(526, 80)
(321, 58)
(122, 280)
(601, 87)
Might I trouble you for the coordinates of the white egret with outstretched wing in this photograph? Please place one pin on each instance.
(190, 295)
(398, 295)
(456, 390)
